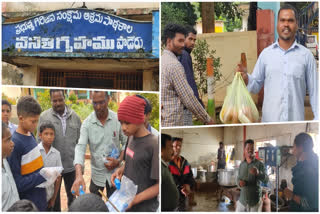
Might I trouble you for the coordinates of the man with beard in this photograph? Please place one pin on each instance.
(176, 93)
(102, 131)
(186, 61)
(287, 70)
(305, 177)
(251, 174)
(182, 174)
(67, 131)
(169, 191)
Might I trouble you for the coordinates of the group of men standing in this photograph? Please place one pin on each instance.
(101, 131)
(177, 176)
(286, 69)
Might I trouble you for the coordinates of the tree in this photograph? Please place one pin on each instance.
(154, 117)
(182, 13)
(200, 53)
(207, 14)
(229, 10)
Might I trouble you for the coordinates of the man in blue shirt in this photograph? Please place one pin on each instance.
(287, 70)
(186, 62)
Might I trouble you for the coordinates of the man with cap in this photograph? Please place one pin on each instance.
(102, 131)
(141, 156)
(305, 177)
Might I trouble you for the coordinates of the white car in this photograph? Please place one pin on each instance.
(312, 44)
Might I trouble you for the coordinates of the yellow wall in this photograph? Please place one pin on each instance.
(218, 29)
(229, 47)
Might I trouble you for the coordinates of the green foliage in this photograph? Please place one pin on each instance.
(73, 98)
(12, 101)
(200, 53)
(113, 106)
(154, 117)
(229, 10)
(230, 25)
(182, 13)
(82, 109)
(44, 99)
(226, 11)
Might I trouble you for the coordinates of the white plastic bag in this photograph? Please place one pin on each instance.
(50, 174)
(238, 106)
(124, 196)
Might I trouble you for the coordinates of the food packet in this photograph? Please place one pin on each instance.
(50, 174)
(124, 196)
(238, 106)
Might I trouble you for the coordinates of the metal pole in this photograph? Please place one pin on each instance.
(210, 82)
(277, 188)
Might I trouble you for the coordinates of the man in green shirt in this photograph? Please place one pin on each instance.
(169, 190)
(251, 174)
(101, 130)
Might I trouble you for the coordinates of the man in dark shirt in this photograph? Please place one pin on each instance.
(169, 191)
(186, 62)
(182, 174)
(141, 156)
(221, 156)
(251, 174)
(305, 177)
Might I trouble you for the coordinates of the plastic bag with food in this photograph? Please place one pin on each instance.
(50, 174)
(122, 197)
(238, 106)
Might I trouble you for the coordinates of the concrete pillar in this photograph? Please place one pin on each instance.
(147, 80)
(275, 7)
(30, 75)
(265, 37)
(155, 33)
(265, 29)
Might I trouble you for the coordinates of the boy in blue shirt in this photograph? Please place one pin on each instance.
(25, 161)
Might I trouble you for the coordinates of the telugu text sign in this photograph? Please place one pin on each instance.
(77, 30)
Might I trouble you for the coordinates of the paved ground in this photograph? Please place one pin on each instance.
(87, 177)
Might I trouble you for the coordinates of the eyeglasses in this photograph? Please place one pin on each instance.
(99, 103)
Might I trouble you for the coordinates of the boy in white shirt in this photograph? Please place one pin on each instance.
(9, 189)
(51, 158)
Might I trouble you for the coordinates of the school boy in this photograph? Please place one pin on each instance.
(9, 189)
(25, 161)
(51, 158)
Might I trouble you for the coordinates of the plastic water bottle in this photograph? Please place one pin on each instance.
(117, 183)
(81, 192)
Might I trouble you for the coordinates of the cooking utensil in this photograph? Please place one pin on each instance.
(202, 175)
(194, 172)
(228, 177)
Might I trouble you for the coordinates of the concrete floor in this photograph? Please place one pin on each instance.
(208, 202)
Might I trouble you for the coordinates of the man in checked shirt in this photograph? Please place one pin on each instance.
(176, 93)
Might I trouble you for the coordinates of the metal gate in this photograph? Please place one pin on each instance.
(91, 79)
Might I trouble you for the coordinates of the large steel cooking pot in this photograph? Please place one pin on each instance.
(194, 172)
(227, 177)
